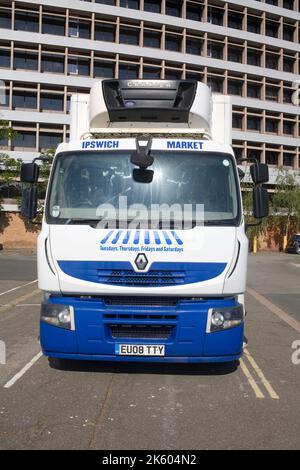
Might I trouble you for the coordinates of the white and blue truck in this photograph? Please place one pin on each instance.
(142, 254)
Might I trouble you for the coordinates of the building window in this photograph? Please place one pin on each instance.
(215, 16)
(130, 4)
(215, 50)
(171, 74)
(105, 32)
(288, 64)
(53, 25)
(53, 63)
(5, 18)
(272, 126)
(172, 43)
(289, 4)
(25, 21)
(51, 102)
(288, 32)
(235, 87)
(152, 5)
(173, 8)
(25, 60)
(253, 123)
(77, 66)
(104, 69)
(79, 29)
(194, 46)
(272, 29)
(151, 72)
(128, 71)
(253, 90)
(288, 127)
(24, 100)
(271, 93)
(271, 158)
(253, 24)
(271, 61)
(254, 153)
(288, 159)
(152, 39)
(129, 36)
(253, 57)
(235, 20)
(24, 140)
(4, 94)
(4, 59)
(235, 54)
(216, 84)
(49, 140)
(238, 153)
(287, 95)
(106, 2)
(237, 121)
(194, 13)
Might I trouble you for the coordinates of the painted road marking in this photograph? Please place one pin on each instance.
(287, 318)
(18, 287)
(261, 375)
(28, 305)
(251, 381)
(19, 299)
(16, 377)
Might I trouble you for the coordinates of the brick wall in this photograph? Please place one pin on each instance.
(17, 233)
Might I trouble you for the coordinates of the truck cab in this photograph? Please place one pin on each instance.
(142, 254)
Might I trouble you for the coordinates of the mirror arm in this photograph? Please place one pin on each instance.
(42, 159)
(251, 160)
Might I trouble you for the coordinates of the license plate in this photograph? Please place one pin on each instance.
(140, 350)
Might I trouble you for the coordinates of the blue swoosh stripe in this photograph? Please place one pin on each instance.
(104, 240)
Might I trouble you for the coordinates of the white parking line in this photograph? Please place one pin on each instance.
(16, 377)
(18, 287)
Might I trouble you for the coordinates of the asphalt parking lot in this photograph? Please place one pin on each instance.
(84, 405)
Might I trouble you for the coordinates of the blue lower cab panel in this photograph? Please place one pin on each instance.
(180, 326)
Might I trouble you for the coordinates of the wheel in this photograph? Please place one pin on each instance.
(298, 250)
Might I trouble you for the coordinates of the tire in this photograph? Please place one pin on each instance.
(298, 250)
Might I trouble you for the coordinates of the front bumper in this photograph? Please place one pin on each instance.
(96, 322)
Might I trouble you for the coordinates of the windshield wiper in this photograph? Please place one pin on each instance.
(219, 222)
(92, 222)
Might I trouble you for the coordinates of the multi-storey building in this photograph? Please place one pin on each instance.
(248, 49)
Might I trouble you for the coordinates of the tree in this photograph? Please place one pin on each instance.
(286, 199)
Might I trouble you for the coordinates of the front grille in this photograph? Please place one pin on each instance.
(137, 316)
(141, 331)
(128, 277)
(142, 301)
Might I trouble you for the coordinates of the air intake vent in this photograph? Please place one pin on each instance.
(141, 331)
(149, 100)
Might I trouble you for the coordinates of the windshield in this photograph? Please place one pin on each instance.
(84, 183)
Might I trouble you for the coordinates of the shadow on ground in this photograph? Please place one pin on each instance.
(223, 368)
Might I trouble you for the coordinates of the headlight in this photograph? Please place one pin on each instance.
(58, 315)
(224, 318)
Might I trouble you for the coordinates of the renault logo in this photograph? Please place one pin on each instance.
(141, 261)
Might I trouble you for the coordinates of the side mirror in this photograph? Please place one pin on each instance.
(29, 203)
(29, 173)
(259, 173)
(260, 202)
